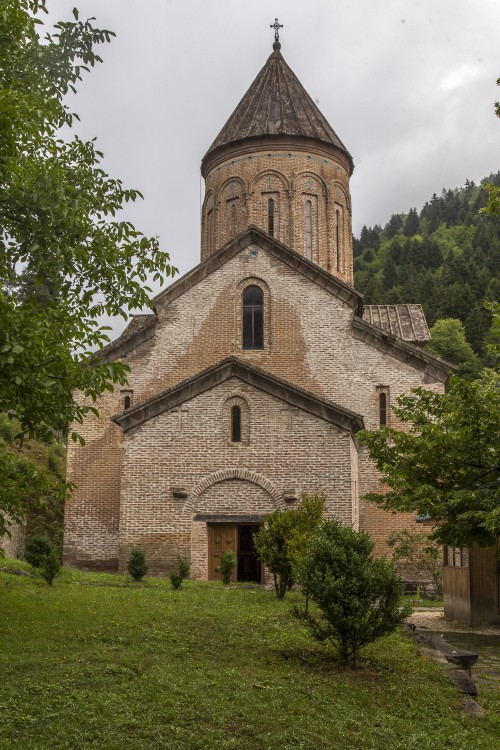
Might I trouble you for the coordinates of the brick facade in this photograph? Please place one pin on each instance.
(290, 179)
(159, 466)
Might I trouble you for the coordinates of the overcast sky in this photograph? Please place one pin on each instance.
(408, 86)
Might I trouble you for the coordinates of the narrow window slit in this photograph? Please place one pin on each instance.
(270, 217)
(236, 424)
(309, 230)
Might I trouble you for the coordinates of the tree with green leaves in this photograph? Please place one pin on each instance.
(449, 342)
(493, 206)
(357, 595)
(283, 536)
(137, 566)
(66, 258)
(446, 465)
(420, 557)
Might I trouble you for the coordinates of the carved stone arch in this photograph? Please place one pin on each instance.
(269, 204)
(338, 187)
(231, 209)
(236, 179)
(243, 474)
(270, 173)
(208, 224)
(238, 308)
(311, 175)
(209, 200)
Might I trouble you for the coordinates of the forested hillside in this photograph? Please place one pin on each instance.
(447, 257)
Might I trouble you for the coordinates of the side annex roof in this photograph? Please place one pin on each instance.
(232, 367)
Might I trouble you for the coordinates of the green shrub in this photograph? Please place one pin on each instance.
(36, 550)
(136, 564)
(8, 428)
(227, 565)
(359, 597)
(282, 537)
(51, 566)
(180, 573)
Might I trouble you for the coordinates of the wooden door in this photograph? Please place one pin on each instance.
(220, 538)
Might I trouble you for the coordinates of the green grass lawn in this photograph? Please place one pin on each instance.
(97, 661)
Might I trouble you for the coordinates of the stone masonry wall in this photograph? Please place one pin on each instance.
(237, 194)
(286, 453)
(308, 341)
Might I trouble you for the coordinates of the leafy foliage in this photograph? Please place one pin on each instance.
(26, 486)
(44, 557)
(136, 564)
(359, 597)
(65, 256)
(421, 557)
(51, 566)
(449, 342)
(180, 573)
(447, 464)
(36, 549)
(493, 205)
(227, 565)
(282, 536)
(445, 257)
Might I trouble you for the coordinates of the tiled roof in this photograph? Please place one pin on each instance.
(407, 322)
(276, 104)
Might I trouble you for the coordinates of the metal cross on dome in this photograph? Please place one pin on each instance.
(276, 26)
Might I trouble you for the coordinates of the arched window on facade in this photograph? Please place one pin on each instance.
(382, 408)
(309, 230)
(235, 424)
(270, 217)
(253, 318)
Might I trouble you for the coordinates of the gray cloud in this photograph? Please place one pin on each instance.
(408, 86)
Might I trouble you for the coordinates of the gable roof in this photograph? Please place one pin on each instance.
(435, 369)
(275, 105)
(132, 336)
(407, 322)
(232, 367)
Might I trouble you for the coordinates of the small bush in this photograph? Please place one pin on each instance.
(359, 597)
(284, 534)
(8, 429)
(136, 564)
(51, 566)
(180, 573)
(227, 565)
(36, 550)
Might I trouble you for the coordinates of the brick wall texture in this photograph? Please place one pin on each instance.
(238, 191)
(126, 480)
(161, 475)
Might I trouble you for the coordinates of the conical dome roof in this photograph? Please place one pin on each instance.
(275, 105)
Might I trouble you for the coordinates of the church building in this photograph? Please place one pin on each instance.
(248, 384)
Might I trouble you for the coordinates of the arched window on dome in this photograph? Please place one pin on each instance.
(253, 318)
(270, 217)
(309, 230)
(210, 230)
(339, 233)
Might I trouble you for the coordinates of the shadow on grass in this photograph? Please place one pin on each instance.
(326, 661)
